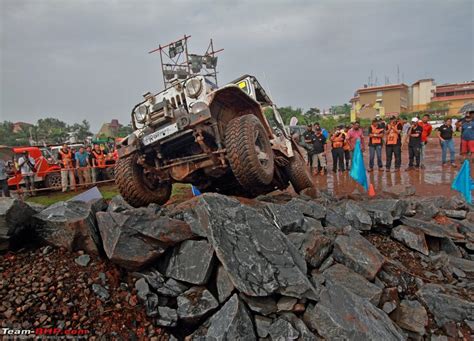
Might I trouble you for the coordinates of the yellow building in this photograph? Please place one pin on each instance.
(386, 100)
(449, 98)
(421, 93)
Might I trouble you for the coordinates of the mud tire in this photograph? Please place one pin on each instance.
(53, 180)
(244, 135)
(298, 173)
(131, 183)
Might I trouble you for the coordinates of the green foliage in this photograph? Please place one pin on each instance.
(47, 130)
(125, 131)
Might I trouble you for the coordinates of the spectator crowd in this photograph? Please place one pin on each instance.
(412, 135)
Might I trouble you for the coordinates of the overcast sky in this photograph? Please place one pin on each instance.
(79, 60)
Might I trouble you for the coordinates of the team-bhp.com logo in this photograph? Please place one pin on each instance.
(43, 332)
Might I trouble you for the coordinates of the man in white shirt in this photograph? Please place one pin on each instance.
(27, 167)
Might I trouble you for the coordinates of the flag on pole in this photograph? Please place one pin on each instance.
(462, 183)
(358, 172)
(195, 191)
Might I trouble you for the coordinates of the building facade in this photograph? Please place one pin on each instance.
(449, 98)
(386, 100)
(421, 93)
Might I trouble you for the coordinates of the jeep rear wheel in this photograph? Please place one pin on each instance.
(249, 152)
(298, 173)
(136, 187)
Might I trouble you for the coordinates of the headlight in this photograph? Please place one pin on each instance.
(141, 112)
(193, 87)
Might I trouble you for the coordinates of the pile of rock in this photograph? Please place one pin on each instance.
(282, 267)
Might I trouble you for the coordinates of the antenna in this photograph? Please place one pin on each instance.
(398, 74)
(178, 64)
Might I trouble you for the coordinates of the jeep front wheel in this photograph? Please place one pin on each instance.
(136, 187)
(249, 152)
(298, 173)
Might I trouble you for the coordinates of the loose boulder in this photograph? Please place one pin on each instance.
(342, 315)
(258, 257)
(69, 224)
(358, 254)
(15, 223)
(192, 261)
(195, 303)
(411, 237)
(135, 238)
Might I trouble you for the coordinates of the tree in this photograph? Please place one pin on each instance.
(81, 130)
(125, 130)
(313, 114)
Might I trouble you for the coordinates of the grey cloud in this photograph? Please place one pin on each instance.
(88, 59)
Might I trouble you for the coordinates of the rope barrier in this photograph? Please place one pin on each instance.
(72, 185)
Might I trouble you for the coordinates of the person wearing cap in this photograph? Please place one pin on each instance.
(414, 144)
(393, 144)
(427, 128)
(445, 136)
(319, 152)
(337, 143)
(467, 135)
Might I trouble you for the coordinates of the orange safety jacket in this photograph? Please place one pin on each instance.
(66, 158)
(100, 158)
(337, 141)
(376, 131)
(392, 137)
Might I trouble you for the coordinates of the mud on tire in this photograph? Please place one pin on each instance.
(298, 174)
(133, 186)
(249, 152)
(53, 180)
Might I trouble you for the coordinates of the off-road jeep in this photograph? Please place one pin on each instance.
(217, 139)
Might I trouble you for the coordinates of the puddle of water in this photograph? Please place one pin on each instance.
(433, 180)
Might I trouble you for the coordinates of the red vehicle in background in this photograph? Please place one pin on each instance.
(47, 170)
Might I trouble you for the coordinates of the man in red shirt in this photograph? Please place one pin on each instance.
(427, 128)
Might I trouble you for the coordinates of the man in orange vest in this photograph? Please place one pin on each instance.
(337, 143)
(375, 144)
(66, 161)
(98, 162)
(393, 144)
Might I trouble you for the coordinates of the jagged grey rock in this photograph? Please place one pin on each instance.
(411, 237)
(260, 305)
(259, 258)
(262, 325)
(195, 303)
(466, 265)
(100, 292)
(69, 224)
(192, 262)
(432, 229)
(118, 204)
(352, 281)
(445, 304)
(286, 218)
(135, 238)
(308, 208)
(385, 211)
(283, 330)
(313, 245)
(343, 315)
(231, 322)
(357, 216)
(299, 325)
(358, 254)
(167, 317)
(15, 223)
(82, 260)
(335, 217)
(456, 214)
(412, 316)
(286, 303)
(165, 287)
(224, 284)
